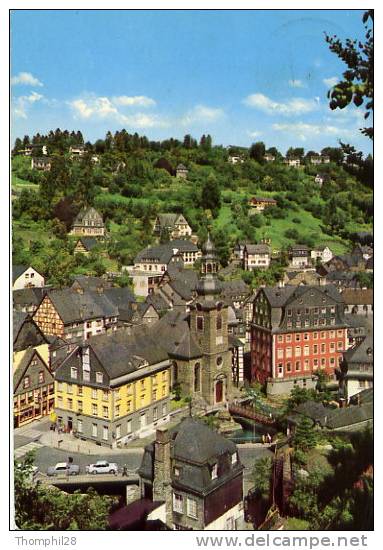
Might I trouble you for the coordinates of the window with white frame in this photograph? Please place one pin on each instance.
(214, 471)
(73, 372)
(94, 430)
(99, 377)
(178, 503)
(191, 507)
(234, 458)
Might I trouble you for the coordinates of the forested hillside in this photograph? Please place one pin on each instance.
(130, 179)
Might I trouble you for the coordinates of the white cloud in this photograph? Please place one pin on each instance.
(25, 79)
(22, 103)
(293, 106)
(294, 83)
(201, 113)
(305, 130)
(331, 81)
(139, 100)
(101, 108)
(254, 134)
(143, 120)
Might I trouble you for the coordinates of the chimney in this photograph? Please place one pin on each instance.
(162, 489)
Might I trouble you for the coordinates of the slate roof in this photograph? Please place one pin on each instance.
(28, 296)
(181, 167)
(18, 318)
(257, 249)
(183, 245)
(19, 372)
(133, 515)
(361, 353)
(73, 306)
(162, 254)
(87, 282)
(358, 296)
(157, 301)
(18, 270)
(347, 416)
(88, 242)
(187, 347)
(312, 409)
(167, 219)
(196, 448)
(84, 213)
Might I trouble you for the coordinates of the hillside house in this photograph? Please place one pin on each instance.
(85, 245)
(235, 159)
(89, 223)
(292, 162)
(268, 157)
(319, 159)
(256, 256)
(77, 150)
(322, 253)
(26, 277)
(176, 225)
(299, 256)
(41, 163)
(182, 172)
(260, 203)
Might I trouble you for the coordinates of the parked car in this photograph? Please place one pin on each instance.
(102, 467)
(63, 468)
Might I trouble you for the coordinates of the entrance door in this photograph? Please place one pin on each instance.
(70, 424)
(219, 391)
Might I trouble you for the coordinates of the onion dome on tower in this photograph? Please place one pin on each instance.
(209, 285)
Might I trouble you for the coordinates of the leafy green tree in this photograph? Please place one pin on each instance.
(357, 85)
(305, 436)
(44, 508)
(257, 151)
(262, 474)
(211, 195)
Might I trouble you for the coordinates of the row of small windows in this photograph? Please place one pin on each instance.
(306, 336)
(323, 362)
(308, 350)
(308, 323)
(309, 310)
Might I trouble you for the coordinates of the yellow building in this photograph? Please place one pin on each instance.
(112, 389)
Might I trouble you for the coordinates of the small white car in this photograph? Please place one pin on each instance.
(63, 468)
(102, 467)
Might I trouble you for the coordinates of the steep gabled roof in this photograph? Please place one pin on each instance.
(18, 270)
(187, 348)
(88, 242)
(73, 306)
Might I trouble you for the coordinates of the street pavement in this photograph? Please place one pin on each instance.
(39, 437)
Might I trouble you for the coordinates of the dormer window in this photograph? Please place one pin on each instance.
(234, 458)
(73, 372)
(176, 472)
(214, 471)
(99, 377)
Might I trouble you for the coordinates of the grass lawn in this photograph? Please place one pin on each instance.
(32, 232)
(295, 524)
(18, 183)
(309, 226)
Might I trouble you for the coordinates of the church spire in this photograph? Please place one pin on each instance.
(208, 283)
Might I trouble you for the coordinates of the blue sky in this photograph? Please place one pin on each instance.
(242, 76)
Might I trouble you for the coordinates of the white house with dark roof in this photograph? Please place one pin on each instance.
(89, 223)
(24, 276)
(322, 253)
(175, 224)
(256, 256)
(182, 172)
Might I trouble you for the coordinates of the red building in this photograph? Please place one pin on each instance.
(295, 333)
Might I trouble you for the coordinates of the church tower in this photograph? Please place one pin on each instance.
(208, 324)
